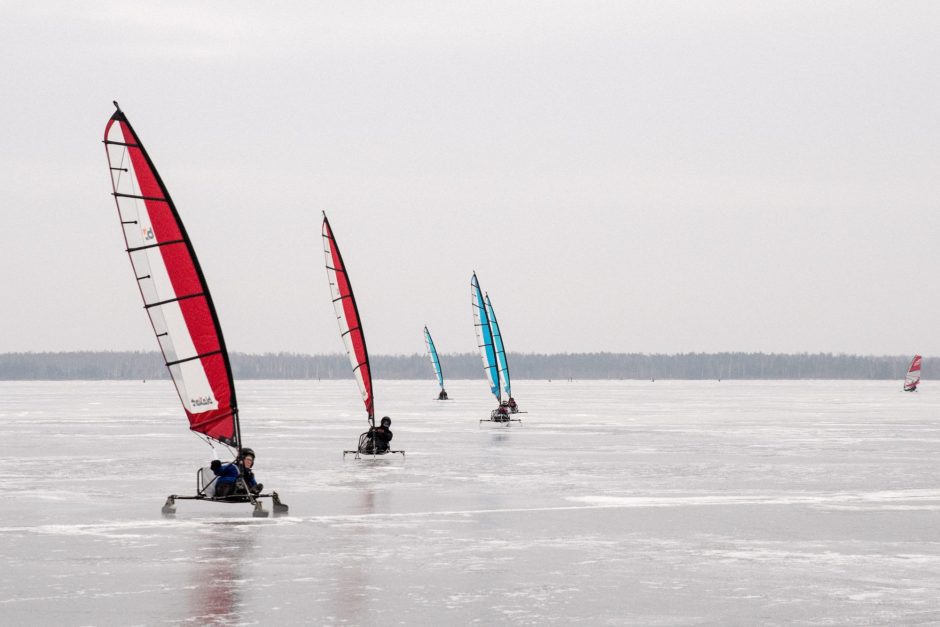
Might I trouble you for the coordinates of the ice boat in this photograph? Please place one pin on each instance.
(486, 341)
(179, 305)
(913, 375)
(354, 340)
(436, 364)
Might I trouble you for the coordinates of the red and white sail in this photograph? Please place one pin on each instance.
(347, 315)
(172, 285)
(913, 375)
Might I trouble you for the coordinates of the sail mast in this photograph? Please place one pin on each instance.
(173, 286)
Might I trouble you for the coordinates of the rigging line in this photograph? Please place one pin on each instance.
(173, 300)
(203, 437)
(118, 182)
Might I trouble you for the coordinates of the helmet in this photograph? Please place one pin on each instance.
(245, 452)
(386, 421)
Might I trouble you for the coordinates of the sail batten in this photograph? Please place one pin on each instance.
(913, 375)
(484, 332)
(172, 286)
(136, 197)
(435, 360)
(347, 316)
(148, 246)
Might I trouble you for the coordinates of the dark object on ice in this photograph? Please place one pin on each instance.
(376, 441)
(501, 415)
(443, 395)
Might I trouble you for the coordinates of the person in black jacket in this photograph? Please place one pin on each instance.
(378, 438)
(230, 476)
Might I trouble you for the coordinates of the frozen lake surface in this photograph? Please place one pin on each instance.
(627, 502)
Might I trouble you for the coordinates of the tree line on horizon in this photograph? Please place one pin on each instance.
(105, 365)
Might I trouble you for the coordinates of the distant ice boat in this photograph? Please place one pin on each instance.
(350, 330)
(493, 368)
(913, 375)
(180, 308)
(436, 364)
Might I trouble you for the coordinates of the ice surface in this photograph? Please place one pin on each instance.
(622, 502)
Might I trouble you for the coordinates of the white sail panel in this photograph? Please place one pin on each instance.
(149, 266)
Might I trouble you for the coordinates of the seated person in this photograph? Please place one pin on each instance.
(376, 439)
(234, 478)
(511, 403)
(443, 395)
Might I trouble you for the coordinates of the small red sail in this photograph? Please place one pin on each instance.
(173, 287)
(913, 375)
(347, 315)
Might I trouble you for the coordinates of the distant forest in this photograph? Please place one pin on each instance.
(149, 365)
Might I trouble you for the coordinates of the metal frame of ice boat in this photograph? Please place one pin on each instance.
(205, 491)
(503, 419)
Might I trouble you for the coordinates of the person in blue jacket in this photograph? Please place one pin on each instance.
(229, 476)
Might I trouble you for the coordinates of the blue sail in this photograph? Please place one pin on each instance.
(435, 362)
(500, 349)
(484, 336)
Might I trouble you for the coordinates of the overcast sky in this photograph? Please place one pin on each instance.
(623, 176)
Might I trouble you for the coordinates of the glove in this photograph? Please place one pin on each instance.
(258, 488)
(215, 465)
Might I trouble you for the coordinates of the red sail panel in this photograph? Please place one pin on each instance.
(172, 286)
(913, 374)
(347, 316)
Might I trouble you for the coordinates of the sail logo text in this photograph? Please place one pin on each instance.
(202, 401)
(147, 234)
